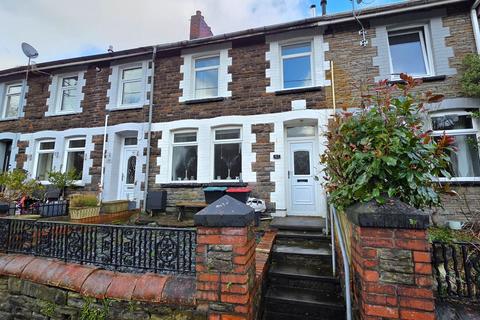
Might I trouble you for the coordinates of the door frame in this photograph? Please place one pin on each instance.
(123, 160)
(288, 186)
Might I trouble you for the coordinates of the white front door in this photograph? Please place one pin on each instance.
(128, 168)
(301, 178)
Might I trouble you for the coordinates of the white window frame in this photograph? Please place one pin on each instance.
(37, 157)
(5, 99)
(179, 144)
(456, 132)
(297, 55)
(121, 82)
(425, 42)
(69, 149)
(61, 89)
(225, 141)
(195, 69)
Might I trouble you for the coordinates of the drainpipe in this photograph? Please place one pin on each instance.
(149, 128)
(475, 25)
(102, 171)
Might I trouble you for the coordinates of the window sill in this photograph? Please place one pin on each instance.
(461, 182)
(203, 100)
(120, 108)
(62, 114)
(9, 119)
(424, 79)
(297, 90)
(202, 185)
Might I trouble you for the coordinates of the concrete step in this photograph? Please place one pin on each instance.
(315, 224)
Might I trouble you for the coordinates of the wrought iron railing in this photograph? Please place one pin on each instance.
(51, 209)
(113, 247)
(457, 269)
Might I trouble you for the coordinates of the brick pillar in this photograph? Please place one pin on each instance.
(226, 260)
(392, 271)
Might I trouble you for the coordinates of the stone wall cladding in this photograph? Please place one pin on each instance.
(21, 156)
(155, 152)
(464, 207)
(263, 165)
(38, 288)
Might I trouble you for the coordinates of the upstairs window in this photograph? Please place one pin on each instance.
(184, 156)
(460, 125)
(68, 94)
(227, 163)
(13, 97)
(131, 83)
(409, 52)
(44, 163)
(75, 156)
(297, 65)
(206, 77)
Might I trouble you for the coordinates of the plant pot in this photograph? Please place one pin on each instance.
(82, 213)
(115, 206)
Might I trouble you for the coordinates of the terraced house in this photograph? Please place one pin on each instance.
(243, 108)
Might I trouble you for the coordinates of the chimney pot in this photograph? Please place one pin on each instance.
(198, 27)
(313, 10)
(323, 3)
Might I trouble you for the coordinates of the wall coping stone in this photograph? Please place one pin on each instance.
(225, 212)
(393, 214)
(101, 284)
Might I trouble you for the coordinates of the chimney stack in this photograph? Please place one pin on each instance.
(323, 3)
(198, 27)
(313, 10)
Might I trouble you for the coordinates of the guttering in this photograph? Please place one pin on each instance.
(475, 25)
(149, 128)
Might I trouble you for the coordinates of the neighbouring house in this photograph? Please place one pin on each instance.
(243, 108)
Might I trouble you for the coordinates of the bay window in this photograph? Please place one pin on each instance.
(227, 164)
(206, 77)
(75, 156)
(184, 156)
(44, 160)
(297, 65)
(461, 126)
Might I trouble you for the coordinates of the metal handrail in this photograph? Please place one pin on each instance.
(346, 262)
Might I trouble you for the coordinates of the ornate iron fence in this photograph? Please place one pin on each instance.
(51, 209)
(457, 270)
(120, 248)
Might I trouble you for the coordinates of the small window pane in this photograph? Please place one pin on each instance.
(452, 122)
(15, 89)
(131, 167)
(305, 131)
(228, 161)
(185, 137)
(69, 99)
(207, 62)
(50, 145)
(130, 74)
(301, 162)
(131, 141)
(69, 82)
(406, 52)
(296, 48)
(76, 144)
(206, 83)
(297, 72)
(44, 166)
(132, 92)
(184, 163)
(12, 106)
(465, 161)
(227, 134)
(75, 161)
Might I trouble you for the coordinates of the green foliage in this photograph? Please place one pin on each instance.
(443, 234)
(48, 308)
(470, 79)
(92, 312)
(16, 184)
(63, 180)
(83, 200)
(382, 152)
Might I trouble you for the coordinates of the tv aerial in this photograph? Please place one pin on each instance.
(31, 53)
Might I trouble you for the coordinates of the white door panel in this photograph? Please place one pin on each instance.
(128, 170)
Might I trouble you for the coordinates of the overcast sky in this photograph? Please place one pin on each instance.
(70, 28)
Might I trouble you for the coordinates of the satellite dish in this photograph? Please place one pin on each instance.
(29, 51)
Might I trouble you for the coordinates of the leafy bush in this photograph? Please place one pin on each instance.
(382, 151)
(63, 180)
(83, 200)
(470, 79)
(15, 184)
(443, 234)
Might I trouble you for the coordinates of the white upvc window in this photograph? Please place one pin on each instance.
(296, 65)
(74, 157)
(67, 98)
(410, 52)
(464, 128)
(205, 76)
(44, 159)
(184, 156)
(12, 101)
(131, 86)
(227, 153)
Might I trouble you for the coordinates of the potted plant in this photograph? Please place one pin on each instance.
(84, 206)
(16, 186)
(61, 181)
